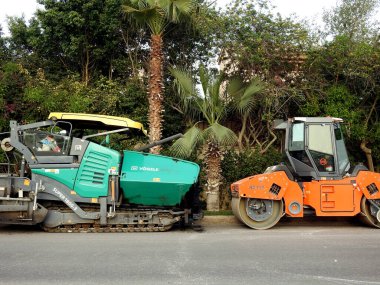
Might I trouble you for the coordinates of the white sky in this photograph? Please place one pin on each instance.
(16, 8)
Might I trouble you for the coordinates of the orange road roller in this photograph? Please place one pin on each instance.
(316, 178)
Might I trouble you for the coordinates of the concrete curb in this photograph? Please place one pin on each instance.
(305, 221)
(219, 220)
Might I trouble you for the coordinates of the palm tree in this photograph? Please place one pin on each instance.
(210, 103)
(157, 14)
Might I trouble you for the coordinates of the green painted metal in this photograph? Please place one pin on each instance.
(93, 175)
(64, 175)
(155, 180)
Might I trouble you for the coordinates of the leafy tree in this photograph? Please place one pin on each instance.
(73, 37)
(51, 44)
(4, 52)
(156, 15)
(13, 79)
(352, 18)
(346, 67)
(108, 97)
(43, 96)
(198, 46)
(254, 42)
(257, 42)
(85, 33)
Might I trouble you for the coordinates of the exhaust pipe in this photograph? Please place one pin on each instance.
(160, 142)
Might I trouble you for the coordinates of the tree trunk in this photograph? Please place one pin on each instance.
(363, 145)
(242, 132)
(110, 70)
(86, 67)
(368, 154)
(213, 170)
(156, 88)
(129, 51)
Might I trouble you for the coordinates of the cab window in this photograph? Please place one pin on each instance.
(47, 141)
(343, 161)
(320, 146)
(297, 143)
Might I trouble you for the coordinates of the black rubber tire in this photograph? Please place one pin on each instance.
(366, 216)
(239, 210)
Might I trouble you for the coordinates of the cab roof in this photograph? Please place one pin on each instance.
(318, 119)
(281, 124)
(100, 122)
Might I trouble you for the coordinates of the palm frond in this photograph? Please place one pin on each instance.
(219, 79)
(183, 6)
(249, 97)
(184, 80)
(218, 100)
(152, 3)
(216, 89)
(221, 134)
(210, 103)
(144, 13)
(204, 78)
(244, 96)
(254, 87)
(175, 8)
(186, 91)
(235, 87)
(157, 24)
(184, 146)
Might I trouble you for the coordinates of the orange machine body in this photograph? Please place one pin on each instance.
(327, 197)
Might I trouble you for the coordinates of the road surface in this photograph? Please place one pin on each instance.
(310, 251)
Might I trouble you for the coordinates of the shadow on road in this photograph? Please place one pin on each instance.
(231, 222)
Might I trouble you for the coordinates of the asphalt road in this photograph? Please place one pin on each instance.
(307, 252)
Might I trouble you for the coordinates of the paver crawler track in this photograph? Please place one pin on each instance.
(136, 223)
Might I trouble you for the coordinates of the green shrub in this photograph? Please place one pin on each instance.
(236, 166)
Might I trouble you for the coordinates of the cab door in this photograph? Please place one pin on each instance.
(337, 198)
